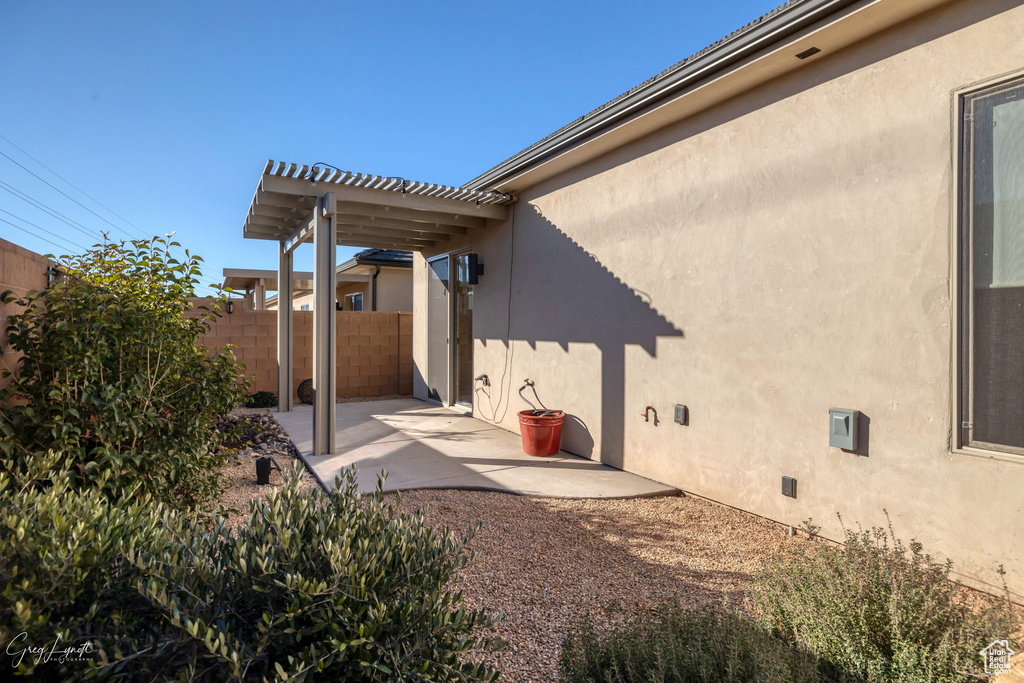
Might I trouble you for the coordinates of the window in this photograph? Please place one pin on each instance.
(304, 307)
(991, 270)
(355, 301)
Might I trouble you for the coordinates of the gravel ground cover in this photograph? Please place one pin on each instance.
(547, 562)
(262, 436)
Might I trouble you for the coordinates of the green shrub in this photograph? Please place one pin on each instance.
(676, 644)
(112, 378)
(341, 587)
(880, 610)
(261, 399)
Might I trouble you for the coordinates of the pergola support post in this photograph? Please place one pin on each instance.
(324, 328)
(284, 330)
(260, 296)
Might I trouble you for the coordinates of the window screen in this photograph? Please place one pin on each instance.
(992, 269)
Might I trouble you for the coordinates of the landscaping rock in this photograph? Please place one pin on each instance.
(254, 433)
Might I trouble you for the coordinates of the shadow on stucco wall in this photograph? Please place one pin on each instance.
(561, 293)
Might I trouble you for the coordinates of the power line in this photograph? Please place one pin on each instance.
(138, 230)
(53, 212)
(75, 224)
(43, 180)
(83, 192)
(18, 227)
(49, 232)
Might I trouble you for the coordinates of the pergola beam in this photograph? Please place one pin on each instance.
(398, 224)
(428, 218)
(349, 193)
(370, 243)
(288, 201)
(303, 231)
(346, 227)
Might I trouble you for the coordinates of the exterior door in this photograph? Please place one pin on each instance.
(462, 333)
(438, 330)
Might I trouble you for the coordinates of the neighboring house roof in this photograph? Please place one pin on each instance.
(393, 258)
(782, 24)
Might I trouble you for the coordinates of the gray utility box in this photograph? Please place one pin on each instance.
(842, 428)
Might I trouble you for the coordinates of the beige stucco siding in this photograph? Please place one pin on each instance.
(394, 290)
(786, 252)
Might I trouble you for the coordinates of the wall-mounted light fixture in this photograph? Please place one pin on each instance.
(474, 269)
(231, 307)
(52, 274)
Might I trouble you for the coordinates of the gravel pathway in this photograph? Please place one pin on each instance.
(263, 437)
(548, 562)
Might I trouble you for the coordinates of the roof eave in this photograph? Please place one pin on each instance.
(775, 27)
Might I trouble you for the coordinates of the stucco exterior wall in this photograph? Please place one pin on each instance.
(782, 253)
(394, 290)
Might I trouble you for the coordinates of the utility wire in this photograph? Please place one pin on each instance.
(53, 212)
(59, 216)
(64, 193)
(61, 246)
(85, 194)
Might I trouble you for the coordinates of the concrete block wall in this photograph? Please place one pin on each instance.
(21, 270)
(374, 349)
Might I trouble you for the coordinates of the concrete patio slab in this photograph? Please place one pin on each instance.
(423, 446)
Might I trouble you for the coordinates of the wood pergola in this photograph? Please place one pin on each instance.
(295, 204)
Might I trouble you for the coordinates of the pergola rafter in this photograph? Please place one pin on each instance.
(294, 204)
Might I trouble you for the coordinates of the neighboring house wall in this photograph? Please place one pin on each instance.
(374, 350)
(354, 288)
(782, 253)
(21, 270)
(394, 290)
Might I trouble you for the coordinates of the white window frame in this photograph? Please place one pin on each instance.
(350, 298)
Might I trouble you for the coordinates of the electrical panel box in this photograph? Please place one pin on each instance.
(842, 428)
(682, 416)
(789, 487)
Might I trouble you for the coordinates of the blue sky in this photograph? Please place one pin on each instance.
(165, 112)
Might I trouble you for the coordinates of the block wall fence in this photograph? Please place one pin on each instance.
(21, 270)
(374, 349)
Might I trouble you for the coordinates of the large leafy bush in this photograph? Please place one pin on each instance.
(339, 587)
(112, 378)
(881, 611)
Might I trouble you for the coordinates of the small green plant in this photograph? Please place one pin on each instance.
(261, 399)
(339, 587)
(880, 610)
(676, 644)
(111, 377)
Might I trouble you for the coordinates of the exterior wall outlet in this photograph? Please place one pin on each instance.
(789, 487)
(842, 428)
(682, 415)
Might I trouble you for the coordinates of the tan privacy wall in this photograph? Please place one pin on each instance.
(20, 271)
(780, 254)
(374, 349)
